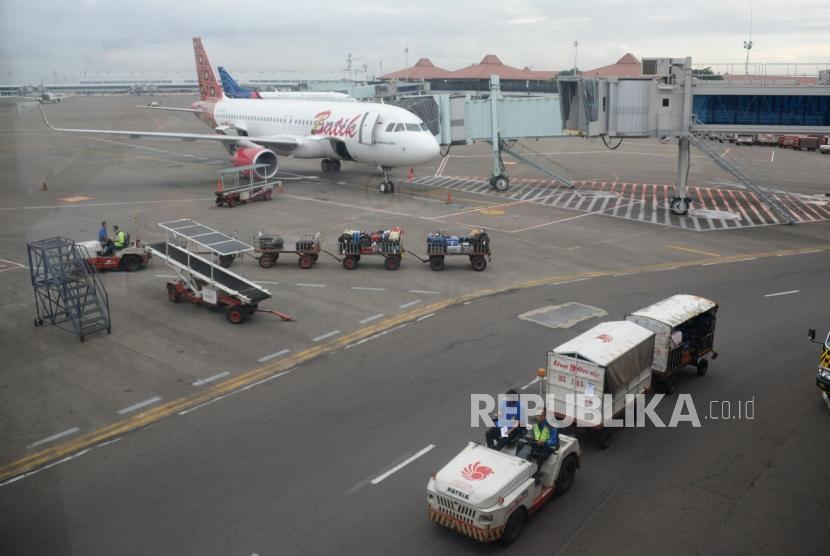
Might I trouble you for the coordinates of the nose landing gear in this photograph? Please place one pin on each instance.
(387, 185)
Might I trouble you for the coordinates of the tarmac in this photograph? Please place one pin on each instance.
(61, 397)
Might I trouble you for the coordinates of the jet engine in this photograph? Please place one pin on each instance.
(245, 156)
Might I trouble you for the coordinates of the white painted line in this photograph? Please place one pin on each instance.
(310, 285)
(782, 293)
(139, 405)
(378, 335)
(410, 304)
(531, 383)
(269, 283)
(425, 317)
(625, 274)
(165, 276)
(52, 438)
(269, 379)
(427, 292)
(823, 395)
(203, 381)
(273, 355)
(370, 319)
(45, 467)
(14, 263)
(364, 289)
(326, 335)
(402, 464)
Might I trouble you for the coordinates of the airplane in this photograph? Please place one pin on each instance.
(255, 132)
(234, 90)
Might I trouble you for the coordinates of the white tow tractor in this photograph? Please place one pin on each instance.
(487, 494)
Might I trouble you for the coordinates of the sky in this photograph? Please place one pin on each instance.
(41, 38)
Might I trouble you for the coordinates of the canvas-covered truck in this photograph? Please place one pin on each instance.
(612, 358)
(684, 328)
(487, 494)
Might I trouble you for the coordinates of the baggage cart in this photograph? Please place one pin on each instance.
(269, 246)
(355, 244)
(476, 246)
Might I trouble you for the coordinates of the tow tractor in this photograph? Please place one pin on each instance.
(823, 375)
(488, 495)
(130, 258)
(202, 280)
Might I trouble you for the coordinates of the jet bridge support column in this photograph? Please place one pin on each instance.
(498, 177)
(681, 202)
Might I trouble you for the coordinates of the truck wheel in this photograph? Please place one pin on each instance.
(702, 367)
(513, 527)
(231, 202)
(225, 260)
(436, 263)
(479, 263)
(349, 262)
(566, 475)
(173, 294)
(130, 263)
(392, 262)
(266, 260)
(306, 261)
(604, 439)
(236, 315)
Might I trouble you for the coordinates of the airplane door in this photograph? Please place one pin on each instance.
(366, 134)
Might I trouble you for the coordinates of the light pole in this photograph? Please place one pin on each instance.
(748, 44)
(576, 51)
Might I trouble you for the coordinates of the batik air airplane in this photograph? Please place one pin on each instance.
(232, 89)
(257, 132)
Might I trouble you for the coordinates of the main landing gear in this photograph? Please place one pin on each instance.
(328, 165)
(386, 186)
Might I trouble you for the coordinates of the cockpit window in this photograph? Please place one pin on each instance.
(399, 127)
(390, 127)
(412, 127)
(424, 127)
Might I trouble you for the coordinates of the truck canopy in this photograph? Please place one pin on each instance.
(479, 475)
(677, 309)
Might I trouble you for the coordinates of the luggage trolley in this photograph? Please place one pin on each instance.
(387, 244)
(240, 185)
(476, 246)
(270, 246)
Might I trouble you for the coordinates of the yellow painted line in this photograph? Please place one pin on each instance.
(697, 251)
(58, 451)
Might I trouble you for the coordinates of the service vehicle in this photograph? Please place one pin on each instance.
(488, 495)
(823, 374)
(824, 149)
(766, 139)
(684, 328)
(131, 258)
(611, 358)
(799, 142)
(745, 139)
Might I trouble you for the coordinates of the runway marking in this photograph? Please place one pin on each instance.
(268, 283)
(273, 355)
(772, 156)
(76, 199)
(24, 465)
(203, 381)
(14, 263)
(690, 250)
(326, 335)
(375, 336)
(304, 285)
(112, 204)
(370, 319)
(45, 467)
(410, 304)
(52, 438)
(578, 216)
(782, 293)
(402, 464)
(366, 289)
(425, 317)
(625, 274)
(138, 405)
(166, 276)
(428, 292)
(569, 281)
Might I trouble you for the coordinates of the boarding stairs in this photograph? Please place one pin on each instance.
(545, 164)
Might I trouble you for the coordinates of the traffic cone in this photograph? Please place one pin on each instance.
(219, 185)
(449, 196)
(410, 175)
(280, 188)
(44, 188)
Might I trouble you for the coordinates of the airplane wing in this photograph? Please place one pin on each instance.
(282, 142)
(170, 108)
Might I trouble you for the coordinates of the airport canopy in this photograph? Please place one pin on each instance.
(204, 236)
(605, 343)
(489, 65)
(676, 309)
(423, 69)
(627, 66)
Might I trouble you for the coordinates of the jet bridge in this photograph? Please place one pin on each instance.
(670, 104)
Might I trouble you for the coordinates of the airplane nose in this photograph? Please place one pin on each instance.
(431, 149)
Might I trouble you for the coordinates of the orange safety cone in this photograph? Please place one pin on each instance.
(410, 175)
(219, 185)
(449, 197)
(280, 188)
(44, 188)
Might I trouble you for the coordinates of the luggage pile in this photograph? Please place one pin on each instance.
(475, 245)
(269, 242)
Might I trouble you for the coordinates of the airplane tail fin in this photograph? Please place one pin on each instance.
(232, 88)
(209, 88)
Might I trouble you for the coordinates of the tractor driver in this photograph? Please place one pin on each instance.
(543, 441)
(120, 241)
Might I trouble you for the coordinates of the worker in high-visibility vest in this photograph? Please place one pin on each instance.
(543, 439)
(120, 239)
